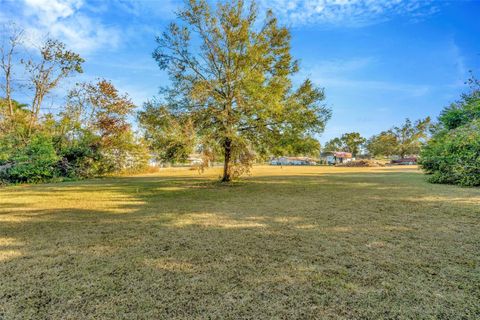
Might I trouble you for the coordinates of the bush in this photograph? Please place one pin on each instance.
(453, 156)
(79, 161)
(34, 162)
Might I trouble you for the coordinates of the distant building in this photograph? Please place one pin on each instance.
(195, 160)
(333, 158)
(293, 161)
(405, 161)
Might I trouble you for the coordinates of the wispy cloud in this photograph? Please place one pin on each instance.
(65, 20)
(459, 62)
(346, 74)
(348, 13)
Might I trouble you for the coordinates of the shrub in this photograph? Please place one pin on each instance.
(34, 162)
(453, 156)
(79, 161)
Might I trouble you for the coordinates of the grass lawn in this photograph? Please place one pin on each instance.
(284, 243)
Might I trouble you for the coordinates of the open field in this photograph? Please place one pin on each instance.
(289, 243)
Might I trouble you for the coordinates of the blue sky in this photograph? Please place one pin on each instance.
(379, 61)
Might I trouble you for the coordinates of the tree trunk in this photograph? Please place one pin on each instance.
(226, 164)
(8, 93)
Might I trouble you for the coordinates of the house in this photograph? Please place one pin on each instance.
(333, 158)
(195, 160)
(292, 161)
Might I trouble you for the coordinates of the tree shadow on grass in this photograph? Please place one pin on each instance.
(322, 246)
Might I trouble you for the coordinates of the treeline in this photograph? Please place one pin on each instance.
(89, 135)
(404, 140)
(231, 98)
(448, 150)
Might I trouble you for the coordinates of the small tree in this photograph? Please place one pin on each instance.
(12, 39)
(101, 110)
(236, 86)
(55, 64)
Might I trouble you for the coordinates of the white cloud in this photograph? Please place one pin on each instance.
(348, 13)
(49, 11)
(63, 19)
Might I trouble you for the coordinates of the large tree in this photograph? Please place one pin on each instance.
(231, 75)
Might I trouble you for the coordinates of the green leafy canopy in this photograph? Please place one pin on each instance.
(231, 76)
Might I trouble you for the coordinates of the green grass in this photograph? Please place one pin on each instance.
(291, 243)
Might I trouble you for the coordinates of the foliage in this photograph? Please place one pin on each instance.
(80, 157)
(98, 113)
(348, 142)
(90, 136)
(453, 154)
(410, 136)
(235, 86)
(383, 144)
(34, 162)
(352, 142)
(406, 139)
(463, 111)
(55, 64)
(296, 146)
(335, 144)
(171, 137)
(454, 157)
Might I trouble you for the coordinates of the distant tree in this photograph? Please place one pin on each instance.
(348, 142)
(234, 81)
(383, 144)
(410, 136)
(403, 140)
(307, 146)
(55, 64)
(352, 142)
(335, 144)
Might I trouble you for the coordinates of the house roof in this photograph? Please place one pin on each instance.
(342, 154)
